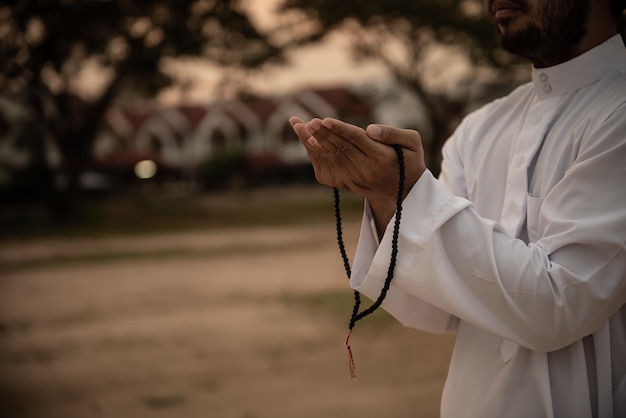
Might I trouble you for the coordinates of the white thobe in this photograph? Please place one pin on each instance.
(520, 247)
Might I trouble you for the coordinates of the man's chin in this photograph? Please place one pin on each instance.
(524, 41)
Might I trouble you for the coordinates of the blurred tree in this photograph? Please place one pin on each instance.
(400, 34)
(48, 46)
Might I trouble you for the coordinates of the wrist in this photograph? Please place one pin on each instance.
(382, 210)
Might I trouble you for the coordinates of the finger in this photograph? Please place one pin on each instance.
(346, 134)
(323, 137)
(294, 120)
(324, 162)
(406, 138)
(304, 135)
(340, 150)
(347, 144)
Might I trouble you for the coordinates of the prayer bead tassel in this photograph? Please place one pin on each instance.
(350, 357)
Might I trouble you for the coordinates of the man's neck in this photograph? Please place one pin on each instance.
(586, 44)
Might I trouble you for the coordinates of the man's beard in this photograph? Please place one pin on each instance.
(555, 37)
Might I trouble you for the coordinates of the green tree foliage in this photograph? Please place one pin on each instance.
(46, 45)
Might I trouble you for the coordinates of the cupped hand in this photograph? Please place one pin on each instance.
(361, 161)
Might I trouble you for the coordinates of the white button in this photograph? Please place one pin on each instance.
(512, 206)
(543, 77)
(547, 88)
(519, 161)
(535, 119)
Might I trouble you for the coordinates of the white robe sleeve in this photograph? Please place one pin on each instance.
(542, 296)
(406, 308)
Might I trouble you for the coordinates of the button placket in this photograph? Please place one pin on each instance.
(513, 209)
(543, 77)
(524, 147)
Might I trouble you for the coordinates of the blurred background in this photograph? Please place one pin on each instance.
(164, 248)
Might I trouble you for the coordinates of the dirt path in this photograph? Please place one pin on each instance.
(222, 324)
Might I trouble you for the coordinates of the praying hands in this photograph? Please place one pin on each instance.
(361, 161)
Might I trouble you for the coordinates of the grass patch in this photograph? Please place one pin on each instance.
(164, 401)
(132, 215)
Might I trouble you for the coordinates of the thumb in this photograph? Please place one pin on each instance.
(406, 138)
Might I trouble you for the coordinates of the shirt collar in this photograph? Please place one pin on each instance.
(580, 71)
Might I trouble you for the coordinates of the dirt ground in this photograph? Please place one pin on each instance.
(225, 324)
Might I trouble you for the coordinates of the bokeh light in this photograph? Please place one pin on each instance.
(145, 169)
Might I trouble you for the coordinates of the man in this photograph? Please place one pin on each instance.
(520, 245)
